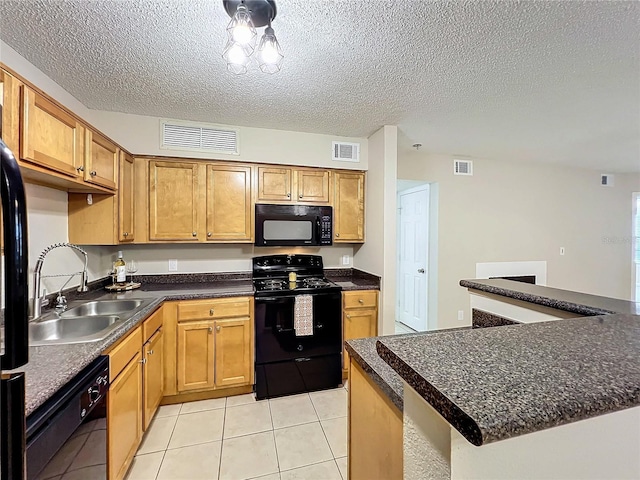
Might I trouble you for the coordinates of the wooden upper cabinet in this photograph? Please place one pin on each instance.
(229, 211)
(10, 102)
(348, 211)
(50, 136)
(233, 348)
(125, 199)
(312, 186)
(101, 160)
(274, 184)
(175, 201)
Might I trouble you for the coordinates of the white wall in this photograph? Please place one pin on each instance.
(527, 211)
(378, 254)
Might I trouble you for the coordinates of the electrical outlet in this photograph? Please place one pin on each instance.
(346, 260)
(561, 250)
(460, 314)
(173, 265)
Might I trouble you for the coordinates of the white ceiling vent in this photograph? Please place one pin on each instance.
(462, 167)
(606, 180)
(346, 152)
(198, 137)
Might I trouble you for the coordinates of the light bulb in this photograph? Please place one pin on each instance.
(269, 53)
(236, 55)
(242, 34)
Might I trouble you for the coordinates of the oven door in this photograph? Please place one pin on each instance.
(276, 339)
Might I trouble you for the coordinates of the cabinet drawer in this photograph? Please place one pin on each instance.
(151, 325)
(360, 299)
(214, 309)
(123, 352)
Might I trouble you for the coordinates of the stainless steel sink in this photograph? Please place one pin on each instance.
(103, 307)
(83, 322)
(72, 330)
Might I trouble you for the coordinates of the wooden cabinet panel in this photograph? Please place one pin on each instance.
(229, 204)
(195, 356)
(125, 199)
(312, 186)
(359, 319)
(10, 102)
(153, 352)
(175, 201)
(124, 418)
(123, 352)
(214, 308)
(101, 160)
(360, 299)
(348, 211)
(50, 136)
(374, 430)
(274, 184)
(233, 351)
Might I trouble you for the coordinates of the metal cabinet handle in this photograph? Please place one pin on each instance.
(217, 328)
(125, 234)
(360, 301)
(80, 169)
(193, 234)
(288, 195)
(421, 270)
(337, 235)
(348, 316)
(300, 195)
(143, 361)
(150, 352)
(208, 234)
(93, 173)
(210, 329)
(211, 312)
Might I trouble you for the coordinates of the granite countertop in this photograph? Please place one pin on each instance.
(353, 279)
(575, 302)
(491, 384)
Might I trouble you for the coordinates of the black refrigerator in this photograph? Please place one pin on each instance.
(16, 341)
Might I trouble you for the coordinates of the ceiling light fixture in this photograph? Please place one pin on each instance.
(239, 51)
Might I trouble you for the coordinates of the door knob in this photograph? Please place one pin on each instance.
(288, 195)
(421, 270)
(125, 234)
(349, 316)
(193, 234)
(211, 312)
(300, 195)
(217, 328)
(80, 169)
(208, 234)
(93, 173)
(360, 301)
(210, 329)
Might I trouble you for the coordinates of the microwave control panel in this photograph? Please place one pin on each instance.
(325, 230)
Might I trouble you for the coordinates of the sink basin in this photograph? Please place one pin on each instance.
(72, 330)
(103, 307)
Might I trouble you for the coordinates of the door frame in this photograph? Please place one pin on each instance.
(635, 239)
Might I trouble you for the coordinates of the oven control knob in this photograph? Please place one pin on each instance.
(83, 413)
(300, 348)
(94, 393)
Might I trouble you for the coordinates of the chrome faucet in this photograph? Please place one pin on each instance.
(41, 301)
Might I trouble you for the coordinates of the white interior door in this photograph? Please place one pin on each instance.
(413, 257)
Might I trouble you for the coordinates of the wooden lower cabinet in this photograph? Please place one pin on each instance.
(233, 348)
(374, 430)
(195, 356)
(153, 377)
(124, 418)
(359, 317)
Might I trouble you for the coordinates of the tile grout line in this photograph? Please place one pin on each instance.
(224, 421)
(273, 434)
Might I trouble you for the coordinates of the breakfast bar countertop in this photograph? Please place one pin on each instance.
(491, 384)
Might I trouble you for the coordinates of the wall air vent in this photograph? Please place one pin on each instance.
(462, 167)
(606, 180)
(346, 152)
(198, 137)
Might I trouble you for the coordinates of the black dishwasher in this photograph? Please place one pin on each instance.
(51, 424)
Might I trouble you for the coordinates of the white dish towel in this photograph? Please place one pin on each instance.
(303, 315)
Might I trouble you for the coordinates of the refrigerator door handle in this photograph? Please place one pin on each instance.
(12, 419)
(14, 214)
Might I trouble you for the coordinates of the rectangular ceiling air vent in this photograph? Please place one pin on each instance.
(462, 167)
(346, 152)
(606, 180)
(198, 137)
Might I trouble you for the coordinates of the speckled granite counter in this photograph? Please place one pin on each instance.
(496, 383)
(353, 279)
(575, 302)
(50, 367)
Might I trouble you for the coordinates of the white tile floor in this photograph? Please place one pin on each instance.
(296, 437)
(402, 328)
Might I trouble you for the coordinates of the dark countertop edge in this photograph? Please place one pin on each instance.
(536, 299)
(391, 392)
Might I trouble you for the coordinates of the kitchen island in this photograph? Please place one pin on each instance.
(557, 399)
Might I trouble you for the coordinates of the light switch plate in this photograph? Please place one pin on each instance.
(346, 260)
(173, 265)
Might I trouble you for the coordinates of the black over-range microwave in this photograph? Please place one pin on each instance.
(293, 225)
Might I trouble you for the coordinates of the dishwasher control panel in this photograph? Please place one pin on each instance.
(95, 392)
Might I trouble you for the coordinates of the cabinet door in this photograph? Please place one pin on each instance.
(313, 186)
(348, 210)
(125, 199)
(174, 201)
(153, 376)
(51, 137)
(100, 160)
(10, 103)
(229, 204)
(233, 349)
(124, 417)
(195, 356)
(274, 184)
(358, 323)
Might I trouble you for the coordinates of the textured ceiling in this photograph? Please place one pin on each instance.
(548, 81)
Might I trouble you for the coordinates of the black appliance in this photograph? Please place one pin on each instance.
(16, 340)
(287, 363)
(293, 225)
(51, 424)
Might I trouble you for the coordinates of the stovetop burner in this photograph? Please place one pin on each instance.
(271, 274)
